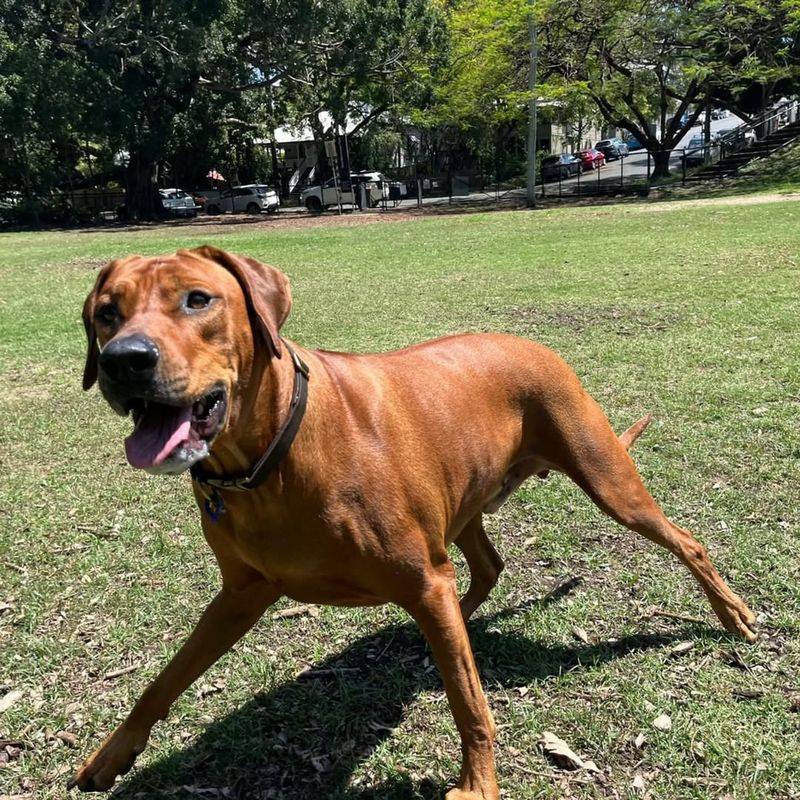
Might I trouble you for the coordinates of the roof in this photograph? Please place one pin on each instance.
(303, 133)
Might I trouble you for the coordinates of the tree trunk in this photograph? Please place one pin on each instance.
(142, 200)
(660, 164)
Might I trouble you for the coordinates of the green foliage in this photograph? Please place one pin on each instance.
(635, 64)
(195, 83)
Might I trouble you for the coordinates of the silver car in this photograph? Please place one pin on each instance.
(252, 198)
(178, 202)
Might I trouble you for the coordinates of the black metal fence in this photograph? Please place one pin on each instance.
(634, 173)
(637, 172)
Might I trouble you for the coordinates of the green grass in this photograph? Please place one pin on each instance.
(689, 312)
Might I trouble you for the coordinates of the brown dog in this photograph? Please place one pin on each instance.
(397, 456)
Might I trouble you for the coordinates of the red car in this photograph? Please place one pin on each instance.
(591, 159)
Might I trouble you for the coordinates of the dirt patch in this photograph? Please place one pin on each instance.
(19, 394)
(621, 320)
(293, 220)
(83, 264)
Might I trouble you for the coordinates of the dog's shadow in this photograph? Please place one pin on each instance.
(305, 738)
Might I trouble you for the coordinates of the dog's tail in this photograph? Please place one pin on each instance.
(635, 431)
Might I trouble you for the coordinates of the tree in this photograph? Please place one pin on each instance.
(361, 60)
(635, 63)
(751, 51)
(137, 76)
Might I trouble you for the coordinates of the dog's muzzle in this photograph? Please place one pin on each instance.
(171, 432)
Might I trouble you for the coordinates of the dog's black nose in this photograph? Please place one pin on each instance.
(130, 360)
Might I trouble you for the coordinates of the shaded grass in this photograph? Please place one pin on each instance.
(687, 312)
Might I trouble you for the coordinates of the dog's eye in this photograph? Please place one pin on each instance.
(107, 314)
(198, 300)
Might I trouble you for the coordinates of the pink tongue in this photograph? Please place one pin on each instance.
(158, 433)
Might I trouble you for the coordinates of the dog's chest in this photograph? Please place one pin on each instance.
(310, 562)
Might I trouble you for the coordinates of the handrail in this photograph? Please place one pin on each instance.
(740, 130)
(762, 119)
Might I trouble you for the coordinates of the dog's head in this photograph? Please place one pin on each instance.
(171, 338)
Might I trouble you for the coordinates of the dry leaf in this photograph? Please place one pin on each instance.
(699, 749)
(8, 700)
(638, 783)
(580, 633)
(69, 739)
(118, 673)
(296, 611)
(663, 722)
(748, 694)
(681, 648)
(205, 690)
(560, 753)
(734, 659)
(639, 741)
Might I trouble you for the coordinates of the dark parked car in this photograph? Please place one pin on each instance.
(612, 149)
(695, 153)
(563, 166)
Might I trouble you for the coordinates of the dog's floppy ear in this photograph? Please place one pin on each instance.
(266, 290)
(90, 367)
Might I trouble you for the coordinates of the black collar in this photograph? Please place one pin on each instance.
(278, 447)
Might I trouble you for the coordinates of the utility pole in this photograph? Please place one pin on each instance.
(532, 136)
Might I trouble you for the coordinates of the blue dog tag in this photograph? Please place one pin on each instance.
(215, 506)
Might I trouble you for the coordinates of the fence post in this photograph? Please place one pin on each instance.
(683, 162)
(621, 171)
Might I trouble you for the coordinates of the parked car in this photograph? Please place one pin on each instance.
(720, 113)
(632, 143)
(560, 166)
(591, 159)
(612, 149)
(252, 198)
(178, 203)
(695, 153)
(322, 196)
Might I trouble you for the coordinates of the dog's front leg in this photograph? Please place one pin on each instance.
(438, 614)
(228, 617)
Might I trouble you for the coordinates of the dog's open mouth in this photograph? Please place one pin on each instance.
(164, 433)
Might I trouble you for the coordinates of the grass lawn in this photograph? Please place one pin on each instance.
(688, 312)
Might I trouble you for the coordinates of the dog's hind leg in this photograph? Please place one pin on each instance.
(597, 460)
(485, 565)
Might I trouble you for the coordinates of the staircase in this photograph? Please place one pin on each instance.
(731, 164)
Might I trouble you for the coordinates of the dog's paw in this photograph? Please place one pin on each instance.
(114, 757)
(738, 619)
